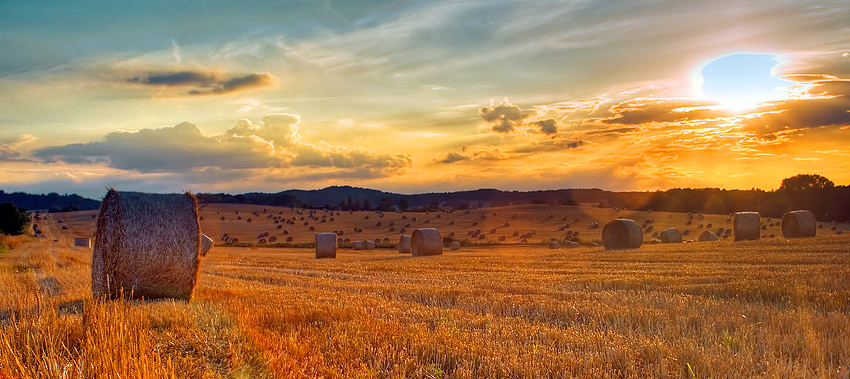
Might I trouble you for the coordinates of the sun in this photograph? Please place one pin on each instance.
(739, 81)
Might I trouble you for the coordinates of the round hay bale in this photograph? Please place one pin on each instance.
(404, 245)
(707, 236)
(573, 245)
(554, 245)
(621, 234)
(799, 224)
(146, 246)
(325, 245)
(369, 245)
(357, 245)
(746, 226)
(454, 246)
(671, 235)
(272, 239)
(289, 239)
(426, 241)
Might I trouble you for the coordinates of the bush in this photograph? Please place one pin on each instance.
(12, 220)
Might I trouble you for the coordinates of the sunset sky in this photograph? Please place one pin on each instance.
(416, 96)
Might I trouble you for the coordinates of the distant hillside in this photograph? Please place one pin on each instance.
(358, 198)
(52, 201)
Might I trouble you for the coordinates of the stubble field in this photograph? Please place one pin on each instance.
(771, 308)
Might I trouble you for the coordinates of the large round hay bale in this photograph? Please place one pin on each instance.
(426, 241)
(146, 246)
(670, 235)
(746, 226)
(404, 245)
(621, 234)
(554, 245)
(455, 246)
(325, 245)
(799, 224)
(357, 245)
(573, 245)
(707, 236)
(369, 245)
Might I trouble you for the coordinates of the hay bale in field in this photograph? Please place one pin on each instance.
(621, 234)
(272, 239)
(404, 245)
(799, 224)
(289, 239)
(369, 245)
(206, 244)
(554, 245)
(357, 245)
(454, 246)
(670, 235)
(839, 232)
(426, 241)
(573, 244)
(146, 246)
(325, 245)
(746, 226)
(707, 236)
(501, 238)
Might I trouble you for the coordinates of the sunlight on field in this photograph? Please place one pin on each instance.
(768, 308)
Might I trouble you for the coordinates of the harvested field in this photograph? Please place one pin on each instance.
(758, 308)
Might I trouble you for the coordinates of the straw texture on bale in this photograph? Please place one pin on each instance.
(707, 236)
(426, 241)
(206, 244)
(81, 242)
(325, 245)
(670, 235)
(799, 224)
(146, 246)
(404, 245)
(455, 246)
(621, 234)
(746, 226)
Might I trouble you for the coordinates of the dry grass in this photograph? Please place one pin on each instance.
(771, 308)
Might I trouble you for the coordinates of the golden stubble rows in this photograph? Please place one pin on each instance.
(768, 308)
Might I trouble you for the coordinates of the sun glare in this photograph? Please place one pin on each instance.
(739, 81)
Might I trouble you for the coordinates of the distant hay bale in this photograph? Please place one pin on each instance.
(426, 241)
(369, 245)
(573, 245)
(554, 245)
(146, 246)
(83, 242)
(404, 245)
(746, 226)
(357, 245)
(325, 245)
(707, 236)
(206, 244)
(799, 224)
(621, 234)
(671, 235)
(289, 239)
(454, 246)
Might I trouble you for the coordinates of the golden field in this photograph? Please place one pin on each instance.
(770, 308)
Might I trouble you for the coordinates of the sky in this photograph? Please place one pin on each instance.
(421, 96)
